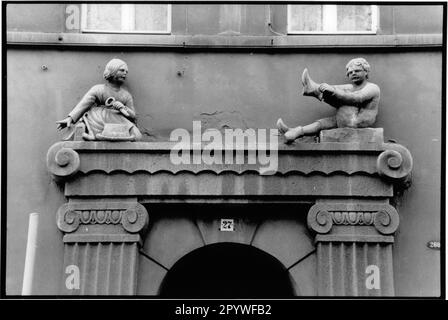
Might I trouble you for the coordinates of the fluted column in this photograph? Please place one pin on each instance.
(101, 242)
(354, 248)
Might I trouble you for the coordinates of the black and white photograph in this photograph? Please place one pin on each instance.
(252, 151)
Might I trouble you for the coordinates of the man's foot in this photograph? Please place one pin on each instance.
(281, 126)
(293, 134)
(310, 88)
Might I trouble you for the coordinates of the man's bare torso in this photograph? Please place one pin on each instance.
(357, 107)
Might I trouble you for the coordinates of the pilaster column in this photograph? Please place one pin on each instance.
(354, 247)
(101, 241)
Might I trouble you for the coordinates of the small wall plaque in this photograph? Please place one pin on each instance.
(227, 225)
(434, 245)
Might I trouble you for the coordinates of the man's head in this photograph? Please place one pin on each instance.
(116, 71)
(358, 70)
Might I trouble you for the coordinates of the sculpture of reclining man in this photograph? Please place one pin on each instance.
(356, 103)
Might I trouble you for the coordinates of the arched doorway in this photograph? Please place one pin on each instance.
(227, 270)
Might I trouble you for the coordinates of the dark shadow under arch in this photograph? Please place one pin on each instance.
(227, 270)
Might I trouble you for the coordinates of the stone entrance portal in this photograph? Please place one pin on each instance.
(182, 236)
(115, 237)
(227, 270)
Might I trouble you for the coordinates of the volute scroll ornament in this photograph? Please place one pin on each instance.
(319, 220)
(67, 219)
(135, 218)
(62, 162)
(386, 222)
(395, 162)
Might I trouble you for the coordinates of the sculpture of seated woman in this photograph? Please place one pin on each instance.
(107, 110)
(356, 103)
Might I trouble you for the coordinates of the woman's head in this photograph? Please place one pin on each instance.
(116, 71)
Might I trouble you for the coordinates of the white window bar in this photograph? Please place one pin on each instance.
(83, 17)
(127, 21)
(330, 18)
(330, 22)
(375, 19)
(168, 20)
(127, 17)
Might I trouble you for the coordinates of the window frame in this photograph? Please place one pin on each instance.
(330, 11)
(127, 18)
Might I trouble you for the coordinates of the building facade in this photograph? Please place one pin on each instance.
(345, 214)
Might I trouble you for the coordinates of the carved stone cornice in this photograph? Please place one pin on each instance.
(131, 216)
(322, 217)
(389, 160)
(357, 164)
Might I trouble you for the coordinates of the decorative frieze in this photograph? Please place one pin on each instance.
(131, 216)
(323, 216)
(100, 216)
(353, 218)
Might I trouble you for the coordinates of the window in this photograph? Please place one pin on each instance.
(324, 19)
(126, 18)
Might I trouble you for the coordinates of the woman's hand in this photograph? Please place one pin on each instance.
(67, 122)
(117, 105)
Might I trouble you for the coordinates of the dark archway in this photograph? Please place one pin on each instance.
(227, 270)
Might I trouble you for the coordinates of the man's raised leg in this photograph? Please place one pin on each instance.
(310, 88)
